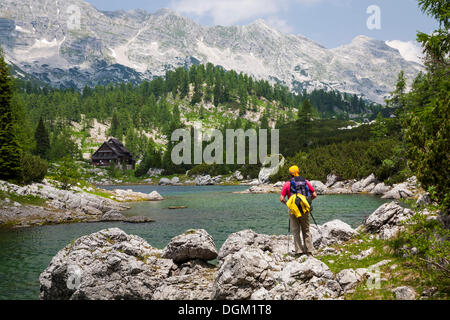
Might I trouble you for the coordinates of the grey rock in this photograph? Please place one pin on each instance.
(238, 175)
(279, 184)
(193, 244)
(319, 187)
(399, 191)
(424, 200)
(388, 216)
(404, 293)
(348, 279)
(108, 264)
(380, 188)
(155, 196)
(241, 274)
(362, 255)
(204, 180)
(331, 180)
(165, 182)
(153, 172)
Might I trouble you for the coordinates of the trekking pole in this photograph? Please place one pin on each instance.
(318, 229)
(289, 230)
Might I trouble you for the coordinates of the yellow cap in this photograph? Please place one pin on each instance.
(295, 171)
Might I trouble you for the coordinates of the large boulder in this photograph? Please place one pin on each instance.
(335, 231)
(238, 175)
(193, 244)
(242, 273)
(380, 188)
(399, 191)
(332, 179)
(387, 219)
(165, 182)
(108, 264)
(154, 196)
(364, 183)
(319, 187)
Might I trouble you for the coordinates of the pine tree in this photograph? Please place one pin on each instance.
(10, 151)
(42, 140)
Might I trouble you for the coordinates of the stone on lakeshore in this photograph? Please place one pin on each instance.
(279, 184)
(164, 182)
(205, 180)
(155, 196)
(400, 191)
(319, 187)
(331, 180)
(238, 175)
(106, 265)
(380, 188)
(193, 244)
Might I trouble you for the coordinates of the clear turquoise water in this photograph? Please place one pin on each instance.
(25, 253)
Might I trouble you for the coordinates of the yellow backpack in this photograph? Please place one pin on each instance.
(293, 207)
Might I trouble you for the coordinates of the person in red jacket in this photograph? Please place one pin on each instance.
(303, 222)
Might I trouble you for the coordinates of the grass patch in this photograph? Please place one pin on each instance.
(24, 200)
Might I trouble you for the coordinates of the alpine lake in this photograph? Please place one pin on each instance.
(25, 253)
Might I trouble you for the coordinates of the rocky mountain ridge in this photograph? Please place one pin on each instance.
(72, 44)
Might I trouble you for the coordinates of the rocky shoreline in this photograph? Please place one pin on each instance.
(111, 264)
(67, 206)
(369, 185)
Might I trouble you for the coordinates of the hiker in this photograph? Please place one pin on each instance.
(303, 190)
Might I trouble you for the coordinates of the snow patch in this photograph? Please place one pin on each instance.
(20, 29)
(409, 50)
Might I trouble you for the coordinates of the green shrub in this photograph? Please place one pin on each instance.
(34, 168)
(211, 169)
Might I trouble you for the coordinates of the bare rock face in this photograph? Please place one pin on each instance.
(256, 266)
(387, 219)
(193, 244)
(332, 179)
(108, 264)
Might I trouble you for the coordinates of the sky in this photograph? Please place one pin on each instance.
(330, 23)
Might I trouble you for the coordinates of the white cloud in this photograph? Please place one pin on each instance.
(410, 50)
(280, 25)
(229, 12)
